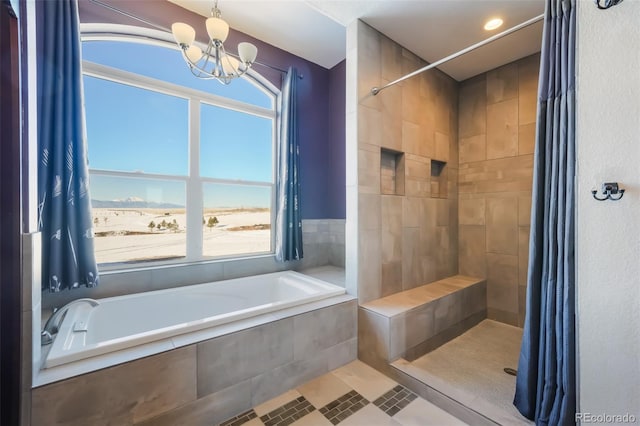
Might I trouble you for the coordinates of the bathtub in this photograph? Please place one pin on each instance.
(123, 322)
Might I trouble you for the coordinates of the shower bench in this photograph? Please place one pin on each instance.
(413, 322)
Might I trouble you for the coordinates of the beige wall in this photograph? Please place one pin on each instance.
(497, 113)
(608, 233)
(410, 238)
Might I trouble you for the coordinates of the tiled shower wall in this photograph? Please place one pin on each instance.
(406, 227)
(497, 113)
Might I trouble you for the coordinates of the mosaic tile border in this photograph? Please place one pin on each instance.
(395, 400)
(338, 410)
(240, 418)
(288, 413)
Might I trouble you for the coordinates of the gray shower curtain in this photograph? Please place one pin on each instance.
(546, 381)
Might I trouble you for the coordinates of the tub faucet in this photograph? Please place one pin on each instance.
(54, 321)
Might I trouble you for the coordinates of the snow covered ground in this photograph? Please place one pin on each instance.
(125, 234)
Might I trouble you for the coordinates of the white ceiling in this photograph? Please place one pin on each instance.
(316, 29)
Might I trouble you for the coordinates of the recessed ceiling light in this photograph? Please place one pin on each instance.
(492, 24)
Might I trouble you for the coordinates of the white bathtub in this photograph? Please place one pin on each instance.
(126, 321)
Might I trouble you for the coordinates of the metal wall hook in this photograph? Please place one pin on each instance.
(606, 5)
(609, 190)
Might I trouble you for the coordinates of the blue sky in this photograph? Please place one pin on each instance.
(133, 129)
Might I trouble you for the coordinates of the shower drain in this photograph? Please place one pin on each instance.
(510, 371)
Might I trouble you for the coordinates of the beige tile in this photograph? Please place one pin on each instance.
(502, 211)
(473, 148)
(411, 138)
(90, 398)
(369, 265)
(369, 127)
(502, 239)
(502, 129)
(412, 105)
(321, 329)
(369, 64)
(391, 212)
(373, 336)
(427, 131)
(276, 402)
(212, 409)
(471, 211)
(411, 211)
(524, 210)
(312, 419)
(505, 317)
(288, 376)
(365, 380)
(391, 278)
(323, 390)
(423, 413)
(369, 169)
(472, 107)
(391, 55)
(502, 282)
(391, 246)
(502, 225)
(230, 359)
(391, 119)
(442, 147)
(411, 329)
(472, 251)
(502, 83)
(528, 72)
(369, 209)
(411, 254)
(511, 174)
(370, 415)
(526, 138)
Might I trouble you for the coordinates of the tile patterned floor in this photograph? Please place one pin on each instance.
(352, 395)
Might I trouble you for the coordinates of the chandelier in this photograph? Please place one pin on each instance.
(214, 62)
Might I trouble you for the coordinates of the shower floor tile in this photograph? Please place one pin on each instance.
(352, 395)
(470, 369)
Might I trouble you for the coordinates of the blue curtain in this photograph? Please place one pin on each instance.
(288, 220)
(546, 381)
(64, 204)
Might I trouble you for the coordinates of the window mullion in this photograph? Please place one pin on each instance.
(194, 185)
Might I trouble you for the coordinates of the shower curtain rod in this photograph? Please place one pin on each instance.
(161, 28)
(376, 90)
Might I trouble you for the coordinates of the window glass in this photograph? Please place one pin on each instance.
(236, 220)
(137, 219)
(235, 145)
(135, 129)
(141, 143)
(167, 64)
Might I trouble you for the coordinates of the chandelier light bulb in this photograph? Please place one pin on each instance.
(184, 34)
(213, 62)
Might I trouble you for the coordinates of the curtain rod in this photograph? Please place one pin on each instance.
(376, 90)
(165, 29)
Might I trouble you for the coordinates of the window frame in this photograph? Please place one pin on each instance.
(193, 180)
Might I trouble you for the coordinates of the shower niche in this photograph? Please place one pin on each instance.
(391, 172)
(439, 181)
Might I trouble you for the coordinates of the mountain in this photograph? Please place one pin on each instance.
(132, 203)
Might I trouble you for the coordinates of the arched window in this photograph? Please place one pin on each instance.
(181, 169)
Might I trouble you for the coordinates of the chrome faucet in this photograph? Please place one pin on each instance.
(53, 323)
